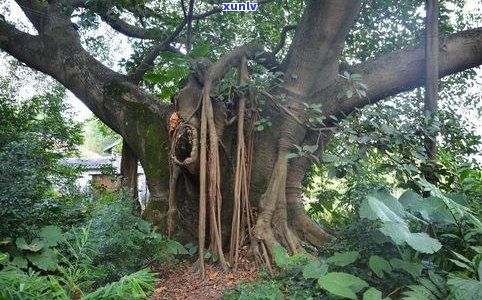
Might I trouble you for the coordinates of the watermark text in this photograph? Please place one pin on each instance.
(240, 6)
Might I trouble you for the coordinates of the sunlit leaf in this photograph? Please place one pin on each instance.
(343, 259)
(315, 269)
(342, 284)
(379, 265)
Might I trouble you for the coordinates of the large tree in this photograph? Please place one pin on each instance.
(212, 162)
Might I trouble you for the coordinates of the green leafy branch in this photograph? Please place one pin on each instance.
(355, 86)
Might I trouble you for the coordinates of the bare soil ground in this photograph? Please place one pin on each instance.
(184, 282)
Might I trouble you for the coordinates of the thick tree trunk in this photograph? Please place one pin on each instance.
(129, 174)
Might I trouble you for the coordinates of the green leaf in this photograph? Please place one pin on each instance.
(439, 281)
(465, 288)
(35, 246)
(3, 256)
(175, 247)
(384, 207)
(292, 155)
(20, 262)
(143, 226)
(391, 213)
(411, 268)
(462, 265)
(429, 285)
(372, 294)
(51, 235)
(342, 284)
(310, 148)
(46, 260)
(433, 209)
(328, 157)
(21, 243)
(297, 258)
(418, 292)
(422, 242)
(281, 257)
(332, 171)
(478, 266)
(398, 232)
(409, 198)
(200, 51)
(154, 77)
(461, 257)
(343, 259)
(315, 269)
(379, 265)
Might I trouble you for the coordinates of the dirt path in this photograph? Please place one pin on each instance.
(183, 282)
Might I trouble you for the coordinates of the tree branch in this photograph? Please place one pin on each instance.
(403, 70)
(282, 41)
(317, 43)
(65, 60)
(113, 20)
(35, 12)
(148, 62)
(127, 29)
(189, 26)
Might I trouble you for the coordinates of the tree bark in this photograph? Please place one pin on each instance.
(431, 85)
(129, 174)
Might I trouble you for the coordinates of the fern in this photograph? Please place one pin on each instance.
(19, 285)
(433, 287)
(131, 286)
(465, 289)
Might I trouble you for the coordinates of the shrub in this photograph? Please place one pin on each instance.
(34, 135)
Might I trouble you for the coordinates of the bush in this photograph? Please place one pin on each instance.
(123, 242)
(58, 265)
(34, 135)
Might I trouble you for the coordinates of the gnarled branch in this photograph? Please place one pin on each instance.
(402, 70)
(317, 43)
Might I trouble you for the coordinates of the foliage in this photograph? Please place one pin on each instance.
(418, 262)
(98, 136)
(71, 272)
(34, 135)
(124, 243)
(113, 245)
(130, 286)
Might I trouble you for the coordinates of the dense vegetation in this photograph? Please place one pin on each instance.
(56, 241)
(398, 247)
(398, 236)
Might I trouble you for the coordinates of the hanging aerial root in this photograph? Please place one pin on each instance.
(242, 211)
(173, 213)
(209, 169)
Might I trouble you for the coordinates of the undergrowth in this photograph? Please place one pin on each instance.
(106, 257)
